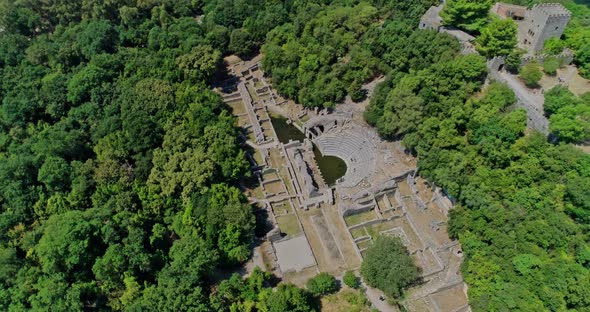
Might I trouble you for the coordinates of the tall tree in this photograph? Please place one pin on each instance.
(498, 38)
(389, 267)
(470, 15)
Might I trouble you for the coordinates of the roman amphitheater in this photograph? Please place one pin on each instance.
(319, 225)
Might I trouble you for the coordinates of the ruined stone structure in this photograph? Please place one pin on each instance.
(317, 227)
(309, 185)
(466, 40)
(543, 21)
(431, 19)
(535, 25)
(336, 136)
(533, 103)
(505, 10)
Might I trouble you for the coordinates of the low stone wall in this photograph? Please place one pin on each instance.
(350, 210)
(367, 223)
(566, 57)
(497, 63)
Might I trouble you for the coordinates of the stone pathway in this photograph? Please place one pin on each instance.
(531, 101)
(373, 295)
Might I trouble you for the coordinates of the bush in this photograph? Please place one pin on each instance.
(322, 284)
(514, 59)
(351, 280)
(355, 298)
(531, 74)
(551, 65)
(389, 267)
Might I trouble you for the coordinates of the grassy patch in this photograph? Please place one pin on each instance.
(346, 300)
(274, 187)
(377, 228)
(360, 218)
(358, 232)
(289, 225)
(257, 157)
(282, 207)
(364, 244)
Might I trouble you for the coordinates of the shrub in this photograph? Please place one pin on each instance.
(551, 65)
(322, 284)
(531, 74)
(351, 280)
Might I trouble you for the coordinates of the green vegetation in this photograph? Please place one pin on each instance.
(497, 38)
(514, 59)
(351, 280)
(349, 300)
(569, 115)
(286, 298)
(473, 16)
(118, 165)
(402, 109)
(359, 218)
(322, 284)
(576, 36)
(304, 66)
(557, 98)
(517, 196)
(389, 267)
(531, 74)
(237, 294)
(551, 65)
(331, 50)
(289, 225)
(470, 15)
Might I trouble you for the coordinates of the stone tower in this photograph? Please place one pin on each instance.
(544, 21)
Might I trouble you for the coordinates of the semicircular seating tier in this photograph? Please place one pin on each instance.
(357, 151)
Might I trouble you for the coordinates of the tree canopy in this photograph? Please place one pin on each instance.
(498, 38)
(119, 165)
(569, 115)
(470, 15)
(531, 74)
(322, 284)
(389, 267)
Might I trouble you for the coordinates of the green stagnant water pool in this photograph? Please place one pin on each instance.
(332, 168)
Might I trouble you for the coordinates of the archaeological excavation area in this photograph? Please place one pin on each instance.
(329, 186)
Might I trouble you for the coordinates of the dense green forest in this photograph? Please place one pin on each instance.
(119, 166)
(327, 52)
(569, 115)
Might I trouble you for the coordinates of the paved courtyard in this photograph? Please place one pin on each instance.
(294, 254)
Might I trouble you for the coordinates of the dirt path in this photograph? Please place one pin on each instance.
(373, 295)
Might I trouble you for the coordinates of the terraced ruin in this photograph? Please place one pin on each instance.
(318, 227)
